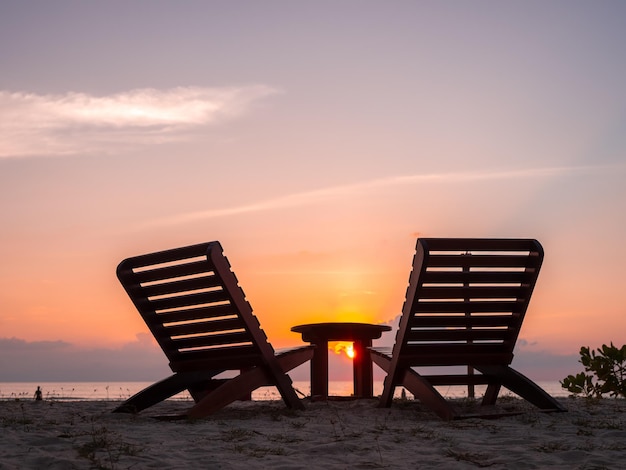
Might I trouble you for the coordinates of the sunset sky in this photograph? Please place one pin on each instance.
(316, 141)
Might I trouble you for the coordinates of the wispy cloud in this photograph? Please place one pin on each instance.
(32, 124)
(334, 192)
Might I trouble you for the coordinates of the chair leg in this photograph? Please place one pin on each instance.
(288, 360)
(414, 383)
(384, 362)
(251, 379)
(491, 394)
(154, 394)
(427, 394)
(230, 391)
(166, 388)
(389, 388)
(522, 386)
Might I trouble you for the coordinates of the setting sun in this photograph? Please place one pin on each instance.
(344, 347)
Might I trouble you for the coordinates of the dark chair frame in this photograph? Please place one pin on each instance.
(464, 306)
(192, 303)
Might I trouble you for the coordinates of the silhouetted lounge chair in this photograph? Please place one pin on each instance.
(464, 306)
(192, 303)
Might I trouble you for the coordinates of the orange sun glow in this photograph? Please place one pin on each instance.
(346, 348)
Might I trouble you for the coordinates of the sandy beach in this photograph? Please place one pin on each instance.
(333, 434)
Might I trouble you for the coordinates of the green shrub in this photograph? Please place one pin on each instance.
(608, 373)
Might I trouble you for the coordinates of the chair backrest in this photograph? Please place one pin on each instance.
(193, 305)
(466, 300)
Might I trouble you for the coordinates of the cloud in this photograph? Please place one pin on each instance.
(320, 195)
(65, 124)
(59, 361)
(142, 360)
(544, 365)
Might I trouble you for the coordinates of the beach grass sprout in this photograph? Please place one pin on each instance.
(104, 448)
(478, 459)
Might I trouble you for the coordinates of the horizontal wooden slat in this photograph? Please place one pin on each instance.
(171, 272)
(433, 360)
(212, 340)
(454, 379)
(443, 335)
(456, 354)
(460, 292)
(193, 314)
(458, 379)
(171, 255)
(477, 277)
(186, 285)
(213, 326)
(235, 357)
(478, 261)
(484, 244)
(462, 307)
(190, 300)
(430, 321)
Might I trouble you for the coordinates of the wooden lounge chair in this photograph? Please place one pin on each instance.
(464, 306)
(192, 303)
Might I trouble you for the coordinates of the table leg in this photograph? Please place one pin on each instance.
(319, 370)
(363, 369)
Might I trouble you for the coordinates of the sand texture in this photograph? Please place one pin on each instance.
(333, 434)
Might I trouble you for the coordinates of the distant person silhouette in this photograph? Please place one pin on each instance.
(38, 394)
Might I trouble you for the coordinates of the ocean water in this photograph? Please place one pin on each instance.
(68, 391)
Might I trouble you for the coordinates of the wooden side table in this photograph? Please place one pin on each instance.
(361, 334)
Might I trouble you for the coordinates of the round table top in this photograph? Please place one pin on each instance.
(340, 331)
